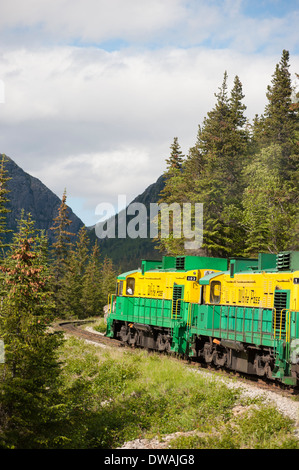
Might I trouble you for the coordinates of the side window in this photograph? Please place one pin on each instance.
(215, 292)
(120, 286)
(130, 286)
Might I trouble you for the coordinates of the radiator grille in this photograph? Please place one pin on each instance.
(180, 262)
(176, 304)
(283, 261)
(280, 305)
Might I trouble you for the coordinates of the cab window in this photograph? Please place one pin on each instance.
(130, 286)
(120, 286)
(215, 292)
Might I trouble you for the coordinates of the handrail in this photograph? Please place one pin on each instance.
(176, 313)
(110, 302)
(287, 327)
(189, 316)
(176, 307)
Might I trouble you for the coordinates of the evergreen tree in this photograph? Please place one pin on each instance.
(268, 209)
(176, 156)
(108, 279)
(212, 175)
(279, 124)
(279, 115)
(61, 250)
(294, 173)
(71, 283)
(224, 142)
(220, 155)
(92, 299)
(247, 177)
(173, 174)
(275, 140)
(29, 375)
(173, 192)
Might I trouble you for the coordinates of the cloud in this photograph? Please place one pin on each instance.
(100, 122)
(92, 20)
(2, 92)
(154, 23)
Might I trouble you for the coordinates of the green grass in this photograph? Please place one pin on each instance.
(100, 325)
(263, 428)
(112, 396)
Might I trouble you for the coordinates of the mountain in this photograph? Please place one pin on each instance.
(127, 253)
(30, 194)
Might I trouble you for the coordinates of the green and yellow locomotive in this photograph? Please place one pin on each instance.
(241, 314)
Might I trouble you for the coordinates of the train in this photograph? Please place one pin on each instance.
(234, 313)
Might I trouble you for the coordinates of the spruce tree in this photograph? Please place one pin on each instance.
(275, 141)
(108, 279)
(173, 174)
(212, 174)
(176, 156)
(222, 151)
(62, 235)
(173, 192)
(61, 249)
(279, 123)
(268, 209)
(72, 281)
(93, 299)
(279, 115)
(294, 173)
(29, 375)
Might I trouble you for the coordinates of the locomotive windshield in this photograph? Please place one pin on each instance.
(130, 286)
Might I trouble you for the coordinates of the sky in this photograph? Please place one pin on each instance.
(93, 92)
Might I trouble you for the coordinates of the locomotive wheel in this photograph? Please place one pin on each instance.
(208, 353)
(220, 358)
(163, 343)
(262, 366)
(132, 338)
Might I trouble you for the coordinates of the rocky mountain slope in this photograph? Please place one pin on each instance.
(127, 253)
(30, 194)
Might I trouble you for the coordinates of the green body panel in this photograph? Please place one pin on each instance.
(243, 324)
(186, 263)
(155, 312)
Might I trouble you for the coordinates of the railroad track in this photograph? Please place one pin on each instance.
(74, 328)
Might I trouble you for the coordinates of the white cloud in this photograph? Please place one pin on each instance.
(119, 88)
(101, 123)
(154, 22)
(93, 20)
(2, 92)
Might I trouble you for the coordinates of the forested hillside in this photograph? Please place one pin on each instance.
(127, 253)
(245, 173)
